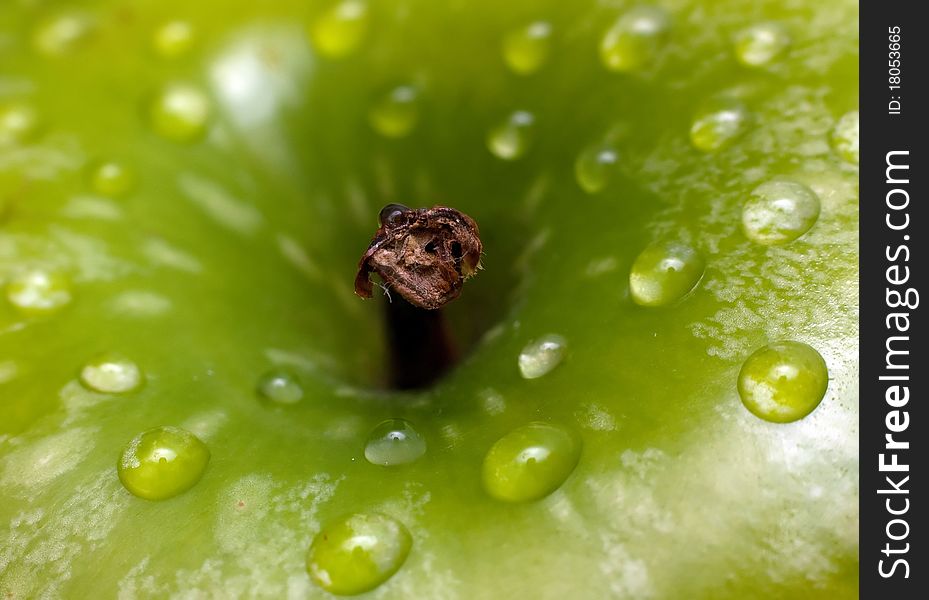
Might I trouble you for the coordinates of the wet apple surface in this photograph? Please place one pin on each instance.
(656, 396)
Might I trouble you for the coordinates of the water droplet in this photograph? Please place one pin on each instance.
(779, 212)
(595, 166)
(526, 49)
(63, 33)
(718, 123)
(394, 114)
(174, 39)
(162, 462)
(663, 273)
(635, 40)
(760, 44)
(39, 292)
(111, 178)
(111, 374)
(542, 355)
(280, 386)
(510, 139)
(394, 442)
(845, 137)
(783, 381)
(357, 553)
(18, 123)
(180, 113)
(530, 462)
(339, 31)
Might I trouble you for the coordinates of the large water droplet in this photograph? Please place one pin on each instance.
(636, 39)
(280, 386)
(339, 31)
(758, 45)
(180, 113)
(162, 462)
(783, 381)
(174, 39)
(18, 123)
(39, 292)
(530, 462)
(664, 273)
(357, 553)
(540, 356)
(394, 114)
(511, 139)
(526, 49)
(111, 374)
(779, 212)
(112, 178)
(845, 137)
(718, 123)
(394, 442)
(63, 33)
(595, 167)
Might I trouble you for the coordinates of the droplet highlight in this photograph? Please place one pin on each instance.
(778, 212)
(783, 381)
(511, 139)
(180, 113)
(539, 357)
(357, 553)
(394, 442)
(530, 462)
(63, 33)
(394, 114)
(761, 44)
(19, 123)
(664, 273)
(636, 40)
(718, 123)
(595, 167)
(339, 31)
(280, 386)
(162, 463)
(845, 137)
(39, 292)
(174, 39)
(526, 49)
(111, 374)
(112, 178)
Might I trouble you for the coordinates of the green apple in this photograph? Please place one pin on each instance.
(656, 395)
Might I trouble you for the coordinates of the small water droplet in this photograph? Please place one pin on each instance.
(39, 292)
(779, 212)
(783, 381)
(635, 40)
(180, 113)
(511, 139)
(63, 33)
(357, 553)
(339, 31)
(530, 462)
(280, 386)
(394, 115)
(718, 123)
(845, 137)
(111, 178)
(760, 44)
(526, 49)
(174, 39)
(111, 374)
(540, 356)
(162, 462)
(595, 167)
(18, 123)
(664, 272)
(394, 442)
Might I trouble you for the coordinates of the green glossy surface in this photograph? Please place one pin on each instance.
(233, 254)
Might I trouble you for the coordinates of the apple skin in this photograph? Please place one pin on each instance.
(226, 250)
